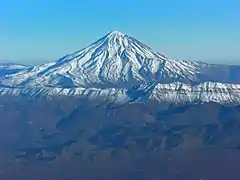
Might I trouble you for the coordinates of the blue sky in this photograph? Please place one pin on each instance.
(36, 31)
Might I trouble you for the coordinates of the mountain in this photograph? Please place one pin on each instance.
(118, 64)
(11, 68)
(115, 60)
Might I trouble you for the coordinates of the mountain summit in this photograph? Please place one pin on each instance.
(115, 34)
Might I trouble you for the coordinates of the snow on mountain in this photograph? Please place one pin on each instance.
(173, 93)
(11, 68)
(120, 67)
(204, 92)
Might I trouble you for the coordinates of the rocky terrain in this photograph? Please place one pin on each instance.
(73, 138)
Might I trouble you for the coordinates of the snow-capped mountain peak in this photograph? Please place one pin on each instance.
(118, 62)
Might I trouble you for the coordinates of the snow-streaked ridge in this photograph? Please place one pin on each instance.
(174, 92)
(205, 92)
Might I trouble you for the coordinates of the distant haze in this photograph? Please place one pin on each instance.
(43, 31)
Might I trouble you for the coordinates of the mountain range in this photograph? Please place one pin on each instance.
(119, 110)
(119, 68)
